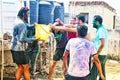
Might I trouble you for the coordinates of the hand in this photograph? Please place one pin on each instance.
(59, 21)
(52, 26)
(102, 77)
(36, 39)
(34, 24)
(92, 59)
(42, 44)
(96, 55)
(64, 72)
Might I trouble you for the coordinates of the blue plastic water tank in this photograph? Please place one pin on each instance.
(46, 12)
(59, 11)
(34, 8)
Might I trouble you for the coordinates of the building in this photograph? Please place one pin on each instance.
(91, 8)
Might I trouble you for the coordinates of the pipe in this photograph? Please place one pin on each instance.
(2, 69)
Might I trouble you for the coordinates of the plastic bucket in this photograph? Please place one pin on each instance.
(42, 31)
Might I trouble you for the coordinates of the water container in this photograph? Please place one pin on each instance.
(34, 7)
(59, 11)
(46, 12)
(42, 31)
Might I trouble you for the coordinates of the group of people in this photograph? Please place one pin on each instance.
(77, 53)
(80, 50)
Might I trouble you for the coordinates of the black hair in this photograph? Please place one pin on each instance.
(98, 18)
(81, 17)
(22, 11)
(82, 30)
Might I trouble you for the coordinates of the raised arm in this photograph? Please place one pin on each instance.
(63, 28)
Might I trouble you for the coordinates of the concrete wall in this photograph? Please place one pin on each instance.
(108, 16)
(114, 44)
(7, 62)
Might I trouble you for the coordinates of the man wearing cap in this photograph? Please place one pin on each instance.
(19, 44)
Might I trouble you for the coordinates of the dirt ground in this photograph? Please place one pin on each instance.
(112, 70)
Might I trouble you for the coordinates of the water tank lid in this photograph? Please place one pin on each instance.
(45, 3)
(56, 4)
(32, 0)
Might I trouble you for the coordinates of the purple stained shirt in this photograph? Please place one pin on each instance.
(80, 52)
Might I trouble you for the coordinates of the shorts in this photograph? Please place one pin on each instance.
(58, 54)
(20, 57)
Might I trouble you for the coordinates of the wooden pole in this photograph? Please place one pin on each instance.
(2, 68)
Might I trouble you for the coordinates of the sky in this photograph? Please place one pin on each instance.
(113, 3)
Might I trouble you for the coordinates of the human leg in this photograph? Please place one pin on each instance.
(19, 57)
(32, 61)
(57, 56)
(18, 72)
(34, 66)
(51, 70)
(26, 73)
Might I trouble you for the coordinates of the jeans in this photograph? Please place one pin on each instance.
(69, 77)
